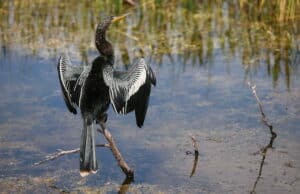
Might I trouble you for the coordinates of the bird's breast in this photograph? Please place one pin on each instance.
(95, 95)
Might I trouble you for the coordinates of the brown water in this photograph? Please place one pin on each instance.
(203, 54)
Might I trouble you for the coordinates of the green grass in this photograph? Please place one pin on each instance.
(259, 30)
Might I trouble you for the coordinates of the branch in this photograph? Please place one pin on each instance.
(264, 154)
(263, 115)
(117, 154)
(112, 145)
(196, 154)
(195, 144)
(272, 138)
(61, 152)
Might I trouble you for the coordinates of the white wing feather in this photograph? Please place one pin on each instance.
(123, 85)
(69, 75)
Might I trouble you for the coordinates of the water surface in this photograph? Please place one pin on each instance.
(203, 54)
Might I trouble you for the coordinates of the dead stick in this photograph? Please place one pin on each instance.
(196, 154)
(194, 165)
(117, 154)
(61, 152)
(272, 138)
(264, 154)
(195, 144)
(264, 118)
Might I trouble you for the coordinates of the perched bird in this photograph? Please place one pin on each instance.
(92, 88)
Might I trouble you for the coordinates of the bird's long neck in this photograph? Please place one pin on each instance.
(104, 47)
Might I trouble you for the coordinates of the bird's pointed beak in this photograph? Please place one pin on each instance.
(118, 18)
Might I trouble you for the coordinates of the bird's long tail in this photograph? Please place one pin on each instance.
(88, 162)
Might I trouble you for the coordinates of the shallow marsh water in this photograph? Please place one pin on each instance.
(203, 54)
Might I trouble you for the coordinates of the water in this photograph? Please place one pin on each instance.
(203, 55)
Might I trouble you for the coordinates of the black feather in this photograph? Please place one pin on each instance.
(142, 104)
(121, 84)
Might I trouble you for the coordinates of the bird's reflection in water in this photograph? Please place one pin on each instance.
(264, 151)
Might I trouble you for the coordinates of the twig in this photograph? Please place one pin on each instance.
(112, 145)
(196, 154)
(272, 138)
(61, 152)
(264, 118)
(117, 154)
(195, 144)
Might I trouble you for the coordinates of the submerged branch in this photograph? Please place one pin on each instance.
(117, 154)
(264, 154)
(61, 152)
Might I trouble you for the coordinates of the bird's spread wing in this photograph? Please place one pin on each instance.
(130, 90)
(69, 76)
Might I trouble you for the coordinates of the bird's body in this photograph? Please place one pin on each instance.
(85, 88)
(94, 99)
(92, 88)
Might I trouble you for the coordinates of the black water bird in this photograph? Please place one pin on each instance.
(92, 88)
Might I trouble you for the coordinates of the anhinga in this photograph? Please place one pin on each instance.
(92, 88)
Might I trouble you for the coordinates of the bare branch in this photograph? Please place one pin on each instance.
(117, 154)
(111, 144)
(61, 152)
(272, 138)
(196, 154)
(195, 144)
(264, 118)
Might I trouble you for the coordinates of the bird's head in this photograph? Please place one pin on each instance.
(109, 20)
(103, 46)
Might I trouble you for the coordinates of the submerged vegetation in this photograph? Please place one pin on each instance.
(261, 32)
